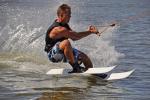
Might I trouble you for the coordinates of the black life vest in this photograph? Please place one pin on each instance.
(51, 42)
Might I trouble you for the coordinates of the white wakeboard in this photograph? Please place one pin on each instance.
(65, 71)
(98, 72)
(117, 76)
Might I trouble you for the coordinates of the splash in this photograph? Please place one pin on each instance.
(105, 53)
(101, 49)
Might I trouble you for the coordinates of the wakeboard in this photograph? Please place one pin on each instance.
(102, 73)
(65, 71)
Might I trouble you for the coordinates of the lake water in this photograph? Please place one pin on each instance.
(23, 63)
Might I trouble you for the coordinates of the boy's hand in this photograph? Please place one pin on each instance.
(93, 29)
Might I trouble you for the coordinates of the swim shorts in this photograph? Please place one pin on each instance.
(56, 54)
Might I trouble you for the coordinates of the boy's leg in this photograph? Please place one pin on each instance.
(85, 60)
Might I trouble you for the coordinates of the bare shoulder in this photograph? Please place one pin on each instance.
(58, 32)
(59, 29)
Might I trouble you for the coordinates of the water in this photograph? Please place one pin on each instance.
(23, 63)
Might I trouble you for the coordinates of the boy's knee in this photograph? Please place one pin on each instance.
(66, 43)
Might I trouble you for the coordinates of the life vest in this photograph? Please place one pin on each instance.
(51, 42)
